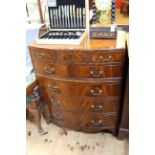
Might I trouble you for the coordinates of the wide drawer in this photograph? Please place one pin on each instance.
(85, 89)
(78, 88)
(105, 56)
(97, 71)
(85, 105)
(73, 120)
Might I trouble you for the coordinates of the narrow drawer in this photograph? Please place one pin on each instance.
(74, 120)
(74, 56)
(106, 56)
(97, 71)
(42, 54)
(50, 69)
(85, 105)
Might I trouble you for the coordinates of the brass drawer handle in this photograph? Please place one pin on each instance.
(96, 74)
(39, 54)
(52, 87)
(57, 116)
(102, 59)
(55, 102)
(49, 70)
(96, 108)
(96, 123)
(96, 92)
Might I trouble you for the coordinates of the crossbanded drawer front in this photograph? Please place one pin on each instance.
(51, 69)
(85, 105)
(84, 89)
(72, 120)
(96, 71)
(106, 56)
(43, 54)
(73, 56)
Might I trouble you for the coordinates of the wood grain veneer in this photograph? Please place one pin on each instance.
(82, 85)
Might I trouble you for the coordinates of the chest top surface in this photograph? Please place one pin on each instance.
(89, 44)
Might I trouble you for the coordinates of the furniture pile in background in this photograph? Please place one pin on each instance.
(124, 9)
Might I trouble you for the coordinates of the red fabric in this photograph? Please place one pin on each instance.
(118, 3)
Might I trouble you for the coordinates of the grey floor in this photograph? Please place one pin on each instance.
(56, 142)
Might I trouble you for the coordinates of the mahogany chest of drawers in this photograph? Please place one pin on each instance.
(82, 85)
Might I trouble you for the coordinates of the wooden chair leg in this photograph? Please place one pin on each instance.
(37, 119)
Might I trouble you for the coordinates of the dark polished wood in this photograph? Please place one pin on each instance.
(77, 120)
(123, 130)
(97, 71)
(90, 105)
(79, 56)
(77, 70)
(81, 85)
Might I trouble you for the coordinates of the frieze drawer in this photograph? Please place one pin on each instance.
(43, 54)
(73, 56)
(106, 56)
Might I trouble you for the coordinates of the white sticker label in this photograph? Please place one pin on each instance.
(52, 3)
(113, 28)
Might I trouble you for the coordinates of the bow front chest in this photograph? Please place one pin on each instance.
(82, 85)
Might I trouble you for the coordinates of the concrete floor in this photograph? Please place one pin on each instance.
(74, 143)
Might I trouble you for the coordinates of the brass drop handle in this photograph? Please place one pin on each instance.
(49, 70)
(96, 74)
(96, 108)
(57, 116)
(55, 102)
(96, 123)
(102, 59)
(52, 87)
(96, 92)
(39, 54)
